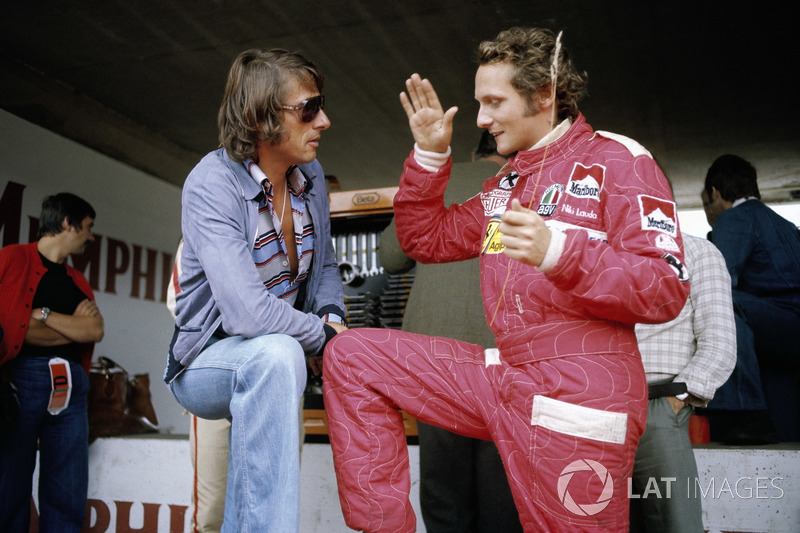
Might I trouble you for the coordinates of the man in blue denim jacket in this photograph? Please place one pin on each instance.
(762, 253)
(252, 304)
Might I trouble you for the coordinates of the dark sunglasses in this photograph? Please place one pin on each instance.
(310, 108)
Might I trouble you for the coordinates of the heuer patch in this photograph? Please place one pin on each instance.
(550, 198)
(491, 242)
(586, 182)
(495, 202)
(658, 215)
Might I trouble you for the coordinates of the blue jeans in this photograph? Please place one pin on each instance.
(63, 443)
(257, 384)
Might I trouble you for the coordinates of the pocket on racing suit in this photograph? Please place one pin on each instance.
(577, 454)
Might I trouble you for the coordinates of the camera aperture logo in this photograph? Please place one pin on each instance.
(591, 508)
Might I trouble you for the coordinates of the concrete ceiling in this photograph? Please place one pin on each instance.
(141, 81)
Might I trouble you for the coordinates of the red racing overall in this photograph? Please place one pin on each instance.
(565, 399)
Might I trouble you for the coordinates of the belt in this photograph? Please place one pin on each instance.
(666, 389)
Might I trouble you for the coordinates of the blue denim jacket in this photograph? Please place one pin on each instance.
(219, 284)
(762, 251)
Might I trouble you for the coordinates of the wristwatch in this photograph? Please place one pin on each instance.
(45, 314)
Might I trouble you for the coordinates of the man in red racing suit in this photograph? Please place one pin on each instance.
(564, 395)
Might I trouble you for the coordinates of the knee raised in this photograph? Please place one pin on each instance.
(338, 346)
(341, 342)
(343, 352)
(279, 350)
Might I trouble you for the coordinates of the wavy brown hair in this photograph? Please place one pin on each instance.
(258, 84)
(530, 52)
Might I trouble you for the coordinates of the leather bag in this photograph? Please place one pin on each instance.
(119, 404)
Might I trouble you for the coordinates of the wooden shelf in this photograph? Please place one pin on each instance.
(361, 202)
(315, 422)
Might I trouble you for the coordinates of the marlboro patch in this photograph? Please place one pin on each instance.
(658, 215)
(586, 182)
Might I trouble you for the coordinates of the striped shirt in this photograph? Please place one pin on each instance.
(269, 250)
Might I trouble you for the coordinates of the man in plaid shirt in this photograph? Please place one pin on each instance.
(696, 353)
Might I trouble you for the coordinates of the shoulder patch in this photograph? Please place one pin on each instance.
(679, 268)
(665, 242)
(632, 146)
(658, 215)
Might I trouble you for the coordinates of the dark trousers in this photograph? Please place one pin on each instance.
(463, 485)
(767, 365)
(63, 444)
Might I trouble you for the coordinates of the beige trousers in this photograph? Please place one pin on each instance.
(208, 446)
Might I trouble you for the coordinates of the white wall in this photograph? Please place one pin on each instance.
(134, 209)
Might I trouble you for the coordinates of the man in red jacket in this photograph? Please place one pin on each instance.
(578, 241)
(51, 323)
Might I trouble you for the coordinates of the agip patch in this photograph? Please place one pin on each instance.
(491, 241)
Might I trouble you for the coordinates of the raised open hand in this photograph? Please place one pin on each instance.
(431, 127)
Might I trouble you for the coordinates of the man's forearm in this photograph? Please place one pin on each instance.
(87, 327)
(39, 334)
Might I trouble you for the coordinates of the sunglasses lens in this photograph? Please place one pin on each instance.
(312, 108)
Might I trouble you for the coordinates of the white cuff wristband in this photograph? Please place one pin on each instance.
(430, 161)
(554, 251)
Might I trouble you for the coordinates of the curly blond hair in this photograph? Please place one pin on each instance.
(530, 53)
